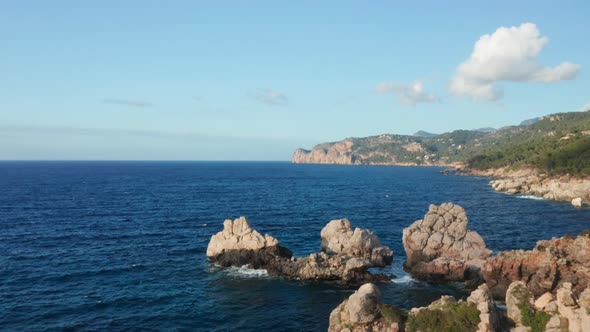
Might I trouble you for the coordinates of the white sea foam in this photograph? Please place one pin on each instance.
(406, 279)
(244, 272)
(530, 197)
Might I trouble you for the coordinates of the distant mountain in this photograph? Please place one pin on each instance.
(422, 133)
(558, 143)
(529, 121)
(486, 129)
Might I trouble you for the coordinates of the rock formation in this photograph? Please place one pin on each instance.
(564, 312)
(441, 248)
(347, 258)
(363, 311)
(530, 182)
(339, 238)
(328, 153)
(543, 269)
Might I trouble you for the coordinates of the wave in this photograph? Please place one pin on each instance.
(243, 272)
(404, 280)
(530, 197)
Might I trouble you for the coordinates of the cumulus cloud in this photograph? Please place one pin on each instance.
(509, 54)
(407, 93)
(270, 97)
(128, 102)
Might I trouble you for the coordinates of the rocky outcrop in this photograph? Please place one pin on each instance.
(564, 188)
(441, 248)
(549, 313)
(363, 311)
(489, 317)
(352, 253)
(339, 238)
(544, 269)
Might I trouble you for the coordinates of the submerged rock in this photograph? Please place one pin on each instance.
(348, 260)
(441, 248)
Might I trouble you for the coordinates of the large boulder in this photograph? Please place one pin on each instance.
(440, 247)
(543, 269)
(339, 238)
(363, 312)
(238, 235)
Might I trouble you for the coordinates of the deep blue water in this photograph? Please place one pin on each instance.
(121, 245)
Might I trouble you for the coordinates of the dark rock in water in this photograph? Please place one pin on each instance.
(441, 248)
(346, 255)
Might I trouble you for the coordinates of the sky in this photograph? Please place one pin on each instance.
(253, 80)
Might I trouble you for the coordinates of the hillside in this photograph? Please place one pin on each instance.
(557, 144)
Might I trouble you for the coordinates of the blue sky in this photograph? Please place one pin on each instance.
(238, 80)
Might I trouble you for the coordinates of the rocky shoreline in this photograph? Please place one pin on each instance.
(565, 188)
(546, 288)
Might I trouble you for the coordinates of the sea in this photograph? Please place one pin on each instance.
(120, 246)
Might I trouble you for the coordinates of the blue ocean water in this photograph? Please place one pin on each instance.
(121, 245)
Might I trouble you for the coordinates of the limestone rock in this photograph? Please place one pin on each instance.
(339, 238)
(517, 295)
(577, 202)
(543, 301)
(238, 235)
(443, 234)
(238, 245)
(363, 312)
(543, 269)
(488, 313)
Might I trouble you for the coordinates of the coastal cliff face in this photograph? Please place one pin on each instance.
(398, 150)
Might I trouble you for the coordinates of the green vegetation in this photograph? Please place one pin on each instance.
(391, 314)
(532, 318)
(557, 144)
(452, 317)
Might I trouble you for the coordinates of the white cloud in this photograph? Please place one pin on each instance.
(407, 93)
(509, 54)
(584, 108)
(270, 97)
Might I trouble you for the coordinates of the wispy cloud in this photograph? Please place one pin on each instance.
(270, 97)
(127, 102)
(509, 54)
(407, 93)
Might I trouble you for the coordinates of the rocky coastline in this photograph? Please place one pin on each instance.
(565, 188)
(546, 288)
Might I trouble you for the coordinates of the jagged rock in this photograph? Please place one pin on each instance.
(238, 245)
(238, 235)
(543, 301)
(543, 269)
(363, 311)
(441, 248)
(339, 238)
(488, 313)
(517, 296)
(577, 202)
